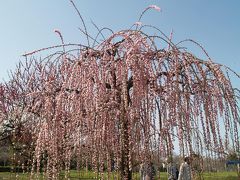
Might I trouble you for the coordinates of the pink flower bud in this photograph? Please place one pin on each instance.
(155, 7)
(138, 23)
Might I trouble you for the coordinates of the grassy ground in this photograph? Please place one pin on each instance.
(221, 175)
(74, 175)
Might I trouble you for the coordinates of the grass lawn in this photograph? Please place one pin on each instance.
(91, 175)
(221, 175)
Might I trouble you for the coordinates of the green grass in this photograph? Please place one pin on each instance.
(221, 175)
(91, 175)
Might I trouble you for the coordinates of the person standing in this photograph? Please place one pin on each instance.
(147, 171)
(172, 171)
(185, 170)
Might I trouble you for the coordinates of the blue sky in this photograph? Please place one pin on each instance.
(28, 25)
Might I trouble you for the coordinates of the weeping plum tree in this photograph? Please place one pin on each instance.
(121, 102)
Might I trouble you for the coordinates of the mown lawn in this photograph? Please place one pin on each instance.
(90, 175)
(221, 175)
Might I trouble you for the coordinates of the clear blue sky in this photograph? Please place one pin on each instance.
(28, 25)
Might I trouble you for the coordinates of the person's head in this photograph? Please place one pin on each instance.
(187, 159)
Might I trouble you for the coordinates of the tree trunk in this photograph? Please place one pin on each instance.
(125, 170)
